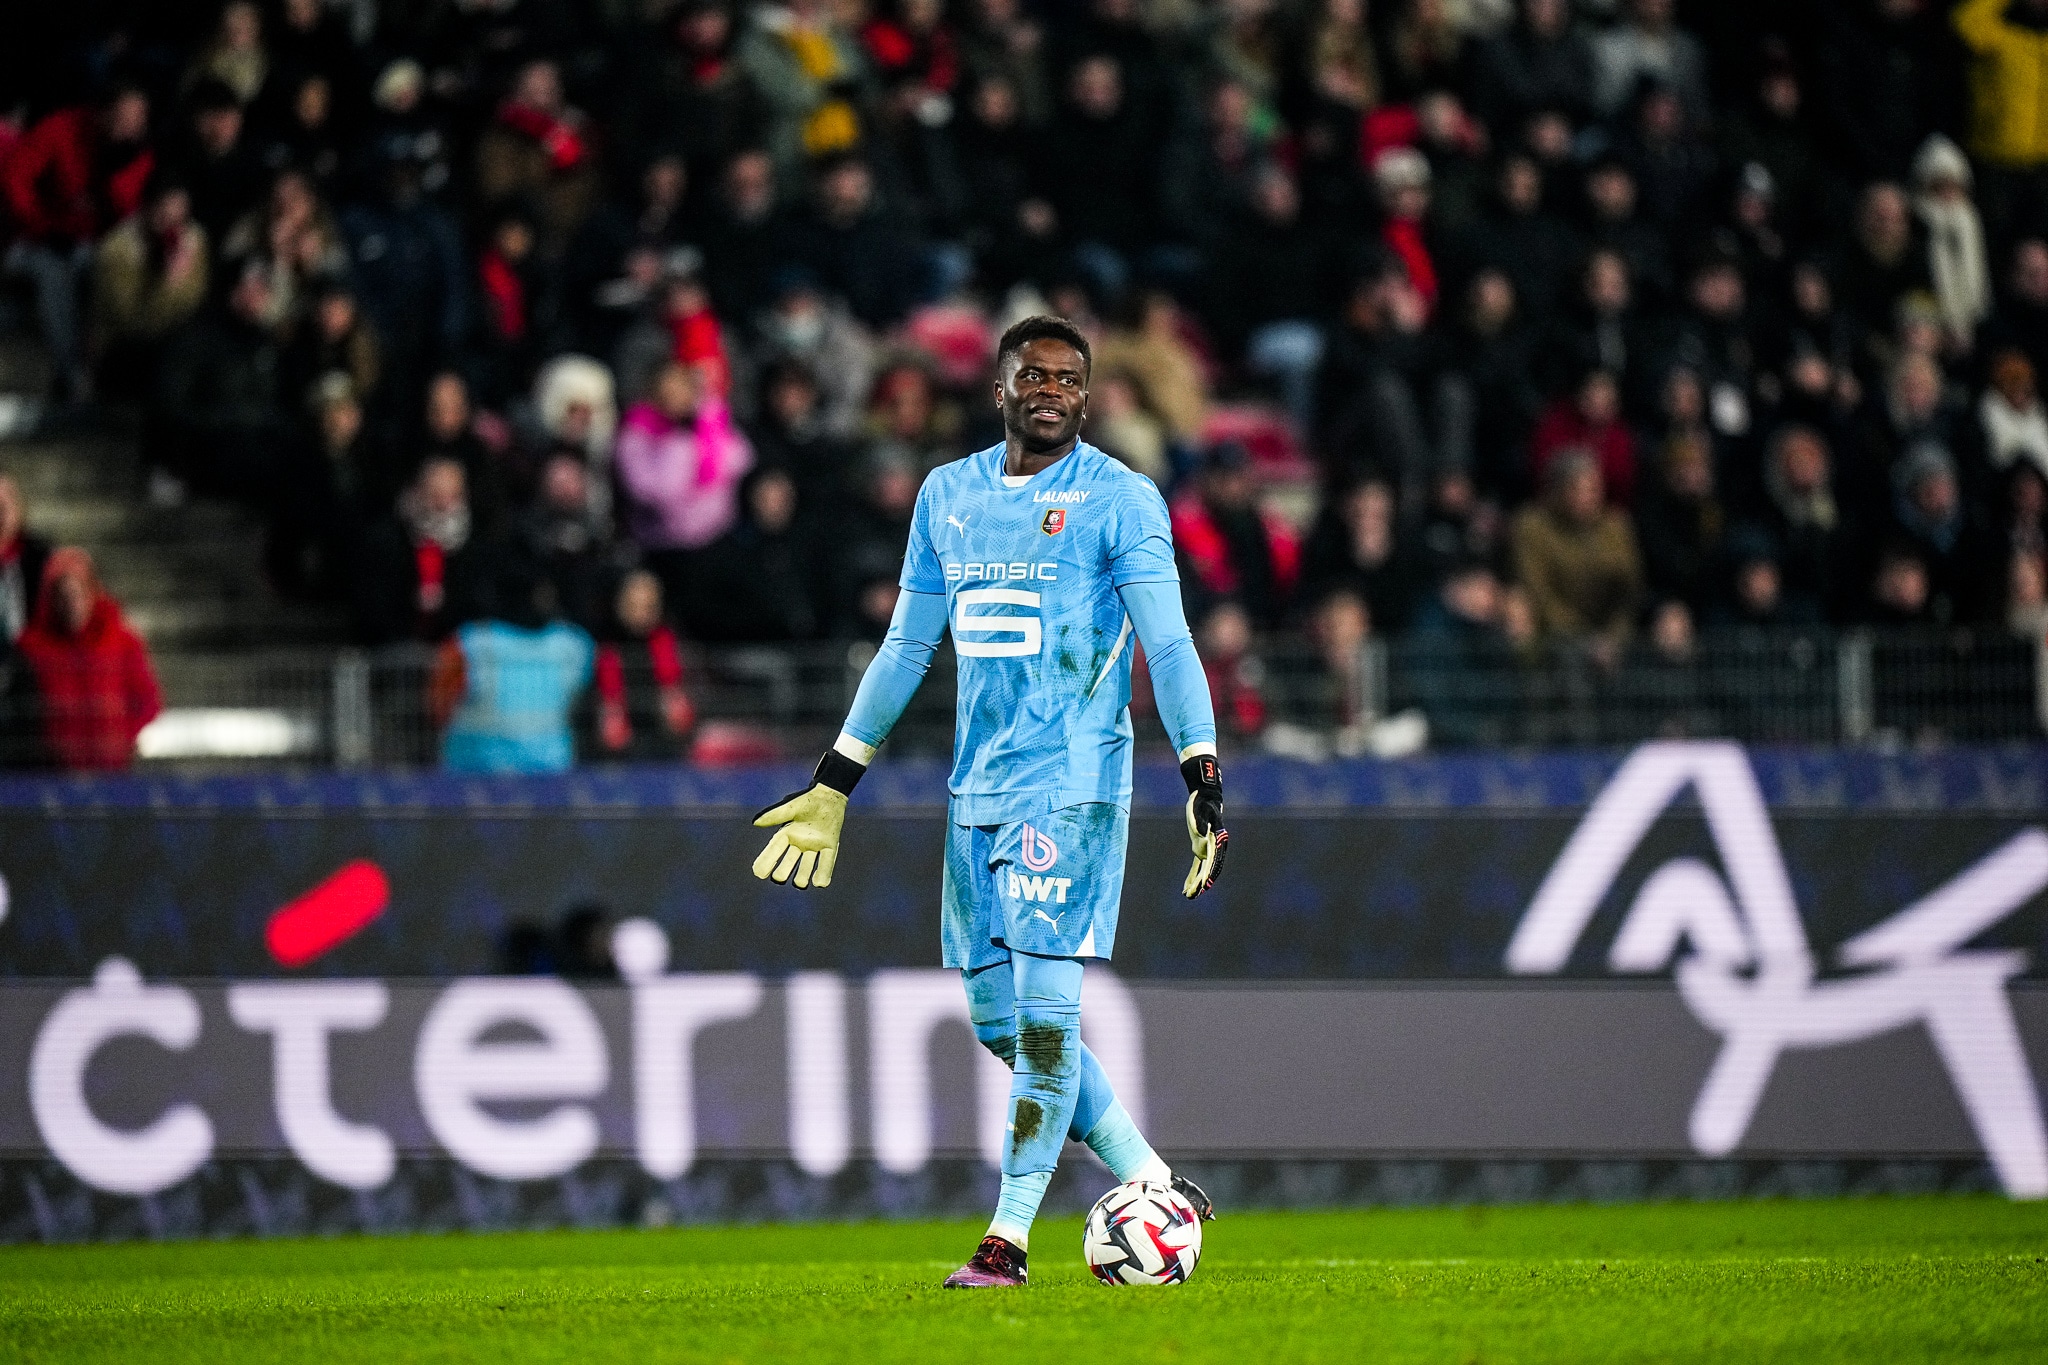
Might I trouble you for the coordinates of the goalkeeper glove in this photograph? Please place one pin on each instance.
(807, 823)
(1204, 777)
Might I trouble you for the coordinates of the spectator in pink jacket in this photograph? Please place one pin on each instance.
(680, 461)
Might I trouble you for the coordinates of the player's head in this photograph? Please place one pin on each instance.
(1042, 382)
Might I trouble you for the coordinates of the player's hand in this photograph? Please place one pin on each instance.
(1204, 777)
(807, 842)
(807, 825)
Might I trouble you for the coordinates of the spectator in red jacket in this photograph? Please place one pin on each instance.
(92, 672)
(1589, 419)
(642, 710)
(73, 176)
(1230, 547)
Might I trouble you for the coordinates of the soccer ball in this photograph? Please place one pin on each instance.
(1142, 1234)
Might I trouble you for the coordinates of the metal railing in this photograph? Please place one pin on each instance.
(355, 709)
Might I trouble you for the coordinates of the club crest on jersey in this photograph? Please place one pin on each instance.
(1040, 852)
(1055, 521)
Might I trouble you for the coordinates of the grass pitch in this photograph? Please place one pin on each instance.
(1851, 1280)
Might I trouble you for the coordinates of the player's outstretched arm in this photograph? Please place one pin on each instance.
(1182, 692)
(807, 823)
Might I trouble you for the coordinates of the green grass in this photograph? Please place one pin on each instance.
(1851, 1280)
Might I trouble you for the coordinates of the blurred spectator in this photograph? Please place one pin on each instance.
(1401, 176)
(1101, 188)
(1229, 546)
(150, 276)
(220, 418)
(23, 558)
(504, 686)
(1884, 261)
(1576, 557)
(2020, 320)
(1885, 77)
(1494, 349)
(333, 338)
(575, 402)
(1955, 238)
(1934, 524)
(1804, 522)
(1756, 594)
(860, 250)
(454, 430)
(747, 237)
(2008, 78)
(1380, 377)
(424, 569)
(1521, 237)
(907, 421)
(1150, 342)
(870, 542)
(1615, 224)
(1121, 424)
(235, 57)
(1679, 524)
(568, 541)
(1273, 277)
(2015, 428)
(292, 237)
(2026, 597)
(792, 435)
(1539, 64)
(1470, 635)
(805, 326)
(1899, 593)
(538, 148)
(93, 678)
(512, 296)
(683, 93)
(214, 156)
(1648, 45)
(1588, 420)
(757, 581)
(618, 257)
(1223, 637)
(408, 267)
(680, 461)
(1358, 550)
(643, 711)
(72, 176)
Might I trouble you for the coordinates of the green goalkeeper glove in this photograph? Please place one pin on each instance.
(807, 824)
(1204, 777)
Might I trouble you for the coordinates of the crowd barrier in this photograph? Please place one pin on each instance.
(291, 1004)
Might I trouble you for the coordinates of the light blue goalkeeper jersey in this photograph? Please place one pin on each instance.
(1030, 576)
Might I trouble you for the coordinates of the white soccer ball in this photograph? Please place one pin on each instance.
(1142, 1234)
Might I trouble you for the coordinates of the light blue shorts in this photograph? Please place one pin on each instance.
(1049, 886)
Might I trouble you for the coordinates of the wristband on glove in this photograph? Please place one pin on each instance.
(807, 824)
(1204, 776)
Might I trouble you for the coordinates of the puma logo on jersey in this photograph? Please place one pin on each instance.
(1043, 890)
(1053, 920)
(959, 523)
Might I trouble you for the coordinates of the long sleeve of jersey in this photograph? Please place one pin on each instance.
(1178, 683)
(899, 667)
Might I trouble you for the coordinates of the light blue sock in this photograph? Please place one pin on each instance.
(1116, 1139)
(1022, 1194)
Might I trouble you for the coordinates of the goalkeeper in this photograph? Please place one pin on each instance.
(1043, 556)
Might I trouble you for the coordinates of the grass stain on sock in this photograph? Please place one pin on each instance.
(1043, 1047)
(1030, 1118)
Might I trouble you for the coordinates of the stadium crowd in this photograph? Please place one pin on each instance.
(1558, 326)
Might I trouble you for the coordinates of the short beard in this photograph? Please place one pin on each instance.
(1039, 445)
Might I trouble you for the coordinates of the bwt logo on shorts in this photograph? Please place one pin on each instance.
(1040, 852)
(1043, 890)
